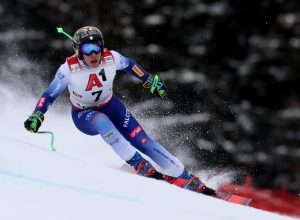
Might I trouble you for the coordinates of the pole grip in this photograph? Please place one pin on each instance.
(154, 84)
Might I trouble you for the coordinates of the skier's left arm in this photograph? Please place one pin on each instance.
(153, 83)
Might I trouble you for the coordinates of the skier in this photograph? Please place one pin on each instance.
(89, 76)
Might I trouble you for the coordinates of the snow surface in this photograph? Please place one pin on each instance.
(83, 180)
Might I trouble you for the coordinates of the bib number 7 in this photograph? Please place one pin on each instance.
(98, 93)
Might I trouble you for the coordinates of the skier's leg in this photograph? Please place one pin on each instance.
(93, 123)
(135, 134)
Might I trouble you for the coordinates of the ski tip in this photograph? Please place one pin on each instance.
(239, 200)
(234, 198)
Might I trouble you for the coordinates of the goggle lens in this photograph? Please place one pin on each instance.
(89, 48)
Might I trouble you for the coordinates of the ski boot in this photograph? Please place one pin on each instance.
(195, 184)
(190, 182)
(144, 167)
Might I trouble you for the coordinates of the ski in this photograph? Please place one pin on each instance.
(219, 195)
(233, 198)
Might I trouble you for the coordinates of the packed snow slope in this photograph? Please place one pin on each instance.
(83, 180)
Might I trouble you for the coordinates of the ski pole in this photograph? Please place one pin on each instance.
(61, 31)
(52, 138)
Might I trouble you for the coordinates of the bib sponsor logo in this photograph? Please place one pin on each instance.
(109, 60)
(75, 67)
(41, 102)
(76, 94)
(135, 131)
(138, 71)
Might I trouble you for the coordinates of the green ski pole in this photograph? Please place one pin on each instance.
(52, 138)
(61, 31)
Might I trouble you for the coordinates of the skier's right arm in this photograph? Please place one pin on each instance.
(56, 87)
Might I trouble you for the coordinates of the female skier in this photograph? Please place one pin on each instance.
(89, 76)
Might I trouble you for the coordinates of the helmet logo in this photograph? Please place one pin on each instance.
(87, 33)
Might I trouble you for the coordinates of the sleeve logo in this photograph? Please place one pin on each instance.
(41, 102)
(138, 71)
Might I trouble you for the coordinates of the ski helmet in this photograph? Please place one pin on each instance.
(87, 34)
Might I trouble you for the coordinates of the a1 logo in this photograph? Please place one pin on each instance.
(95, 81)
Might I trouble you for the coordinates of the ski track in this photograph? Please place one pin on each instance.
(65, 186)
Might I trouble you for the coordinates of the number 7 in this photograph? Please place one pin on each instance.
(98, 95)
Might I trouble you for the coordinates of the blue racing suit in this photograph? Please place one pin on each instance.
(95, 110)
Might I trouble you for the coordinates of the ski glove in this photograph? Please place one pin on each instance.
(155, 85)
(34, 122)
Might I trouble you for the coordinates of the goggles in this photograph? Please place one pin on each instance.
(89, 48)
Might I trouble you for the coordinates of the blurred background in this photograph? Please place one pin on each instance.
(231, 69)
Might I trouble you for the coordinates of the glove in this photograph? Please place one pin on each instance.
(156, 86)
(34, 122)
